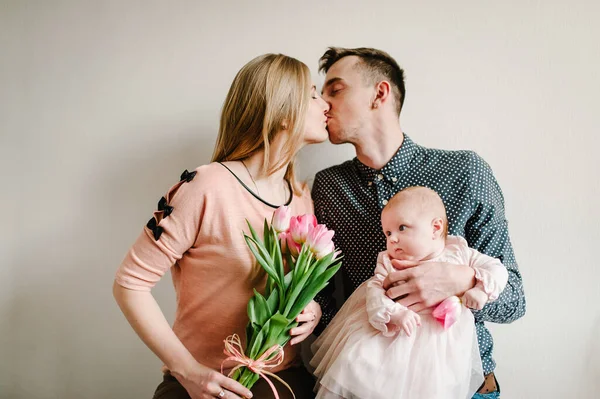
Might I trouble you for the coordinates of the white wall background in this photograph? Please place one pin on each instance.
(104, 103)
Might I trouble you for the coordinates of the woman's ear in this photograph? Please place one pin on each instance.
(437, 225)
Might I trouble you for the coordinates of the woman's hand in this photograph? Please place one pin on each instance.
(202, 382)
(308, 319)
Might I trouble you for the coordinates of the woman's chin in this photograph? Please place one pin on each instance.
(316, 139)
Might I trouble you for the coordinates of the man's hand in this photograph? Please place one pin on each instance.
(421, 286)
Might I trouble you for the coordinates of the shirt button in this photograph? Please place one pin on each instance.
(380, 176)
(384, 202)
(394, 179)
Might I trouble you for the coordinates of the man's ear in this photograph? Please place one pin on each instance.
(383, 92)
(437, 225)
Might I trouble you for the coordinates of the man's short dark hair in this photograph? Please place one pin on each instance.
(376, 65)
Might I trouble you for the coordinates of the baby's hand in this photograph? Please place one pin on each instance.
(475, 298)
(406, 320)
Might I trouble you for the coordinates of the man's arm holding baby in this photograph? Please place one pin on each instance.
(486, 231)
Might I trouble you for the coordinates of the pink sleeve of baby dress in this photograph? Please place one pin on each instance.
(170, 232)
(490, 273)
(379, 306)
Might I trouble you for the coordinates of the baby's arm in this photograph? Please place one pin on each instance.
(385, 314)
(475, 298)
(491, 278)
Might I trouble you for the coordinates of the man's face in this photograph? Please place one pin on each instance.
(350, 99)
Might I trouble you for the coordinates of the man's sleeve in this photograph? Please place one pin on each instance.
(487, 231)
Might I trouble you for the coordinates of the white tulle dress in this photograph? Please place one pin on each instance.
(357, 356)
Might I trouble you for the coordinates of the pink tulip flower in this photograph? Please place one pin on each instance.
(319, 241)
(288, 244)
(448, 311)
(281, 219)
(300, 226)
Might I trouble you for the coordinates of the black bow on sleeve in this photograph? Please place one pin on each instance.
(188, 176)
(165, 207)
(156, 229)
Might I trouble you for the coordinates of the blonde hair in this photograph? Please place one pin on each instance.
(269, 94)
(425, 199)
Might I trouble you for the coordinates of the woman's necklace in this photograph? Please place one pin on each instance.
(250, 174)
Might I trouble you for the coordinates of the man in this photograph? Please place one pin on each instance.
(365, 90)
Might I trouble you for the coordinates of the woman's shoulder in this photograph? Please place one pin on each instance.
(206, 177)
(198, 183)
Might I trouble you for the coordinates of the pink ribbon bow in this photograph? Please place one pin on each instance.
(234, 352)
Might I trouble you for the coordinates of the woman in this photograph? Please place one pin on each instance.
(271, 111)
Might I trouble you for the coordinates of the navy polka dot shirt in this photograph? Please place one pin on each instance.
(349, 198)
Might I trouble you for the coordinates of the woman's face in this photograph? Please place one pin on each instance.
(315, 127)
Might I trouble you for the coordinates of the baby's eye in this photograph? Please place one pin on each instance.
(388, 233)
(402, 227)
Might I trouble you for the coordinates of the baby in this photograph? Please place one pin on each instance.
(415, 224)
(377, 348)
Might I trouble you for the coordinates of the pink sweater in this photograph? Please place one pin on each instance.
(214, 272)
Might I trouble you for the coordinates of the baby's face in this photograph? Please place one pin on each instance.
(410, 235)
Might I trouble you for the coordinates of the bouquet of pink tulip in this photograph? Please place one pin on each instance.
(311, 262)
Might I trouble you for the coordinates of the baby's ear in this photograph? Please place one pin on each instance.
(438, 228)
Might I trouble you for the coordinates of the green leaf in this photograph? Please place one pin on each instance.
(287, 280)
(290, 274)
(321, 265)
(267, 238)
(254, 330)
(269, 286)
(277, 257)
(253, 245)
(273, 300)
(250, 331)
(264, 261)
(254, 347)
(302, 261)
(296, 290)
(252, 310)
(261, 308)
(312, 290)
(252, 231)
(278, 325)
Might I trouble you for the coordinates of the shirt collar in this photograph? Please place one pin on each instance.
(394, 168)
